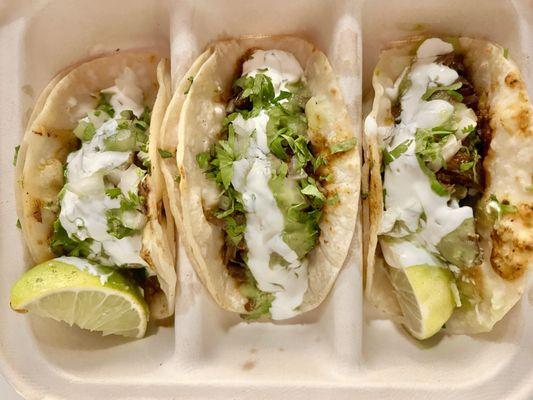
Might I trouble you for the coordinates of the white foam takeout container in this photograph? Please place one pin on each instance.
(341, 350)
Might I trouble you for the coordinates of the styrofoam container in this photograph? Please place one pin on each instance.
(341, 350)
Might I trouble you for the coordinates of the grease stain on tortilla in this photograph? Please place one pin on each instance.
(412, 27)
(248, 365)
(28, 90)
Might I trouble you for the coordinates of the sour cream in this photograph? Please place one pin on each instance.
(409, 198)
(287, 280)
(278, 65)
(84, 203)
(86, 266)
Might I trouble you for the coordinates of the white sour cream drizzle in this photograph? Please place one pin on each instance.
(408, 189)
(86, 266)
(278, 65)
(84, 203)
(264, 220)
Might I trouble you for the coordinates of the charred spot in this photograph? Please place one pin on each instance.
(144, 188)
(146, 256)
(161, 213)
(38, 133)
(37, 211)
(513, 81)
(512, 246)
(523, 119)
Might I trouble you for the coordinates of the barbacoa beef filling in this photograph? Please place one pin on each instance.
(462, 175)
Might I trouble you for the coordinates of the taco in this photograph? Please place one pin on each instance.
(268, 175)
(449, 150)
(89, 185)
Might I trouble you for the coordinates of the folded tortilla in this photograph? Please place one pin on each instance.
(507, 244)
(194, 114)
(49, 139)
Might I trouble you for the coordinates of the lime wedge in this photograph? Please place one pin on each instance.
(92, 297)
(425, 296)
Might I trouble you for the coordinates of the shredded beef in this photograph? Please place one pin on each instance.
(451, 173)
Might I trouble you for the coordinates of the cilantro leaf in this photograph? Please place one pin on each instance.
(61, 244)
(203, 160)
(466, 166)
(436, 186)
(191, 80)
(390, 156)
(115, 226)
(113, 192)
(15, 156)
(342, 146)
(114, 216)
(498, 209)
(451, 90)
(104, 104)
(257, 89)
(84, 130)
(165, 153)
(333, 200)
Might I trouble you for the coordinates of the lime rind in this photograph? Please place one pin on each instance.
(64, 292)
(426, 299)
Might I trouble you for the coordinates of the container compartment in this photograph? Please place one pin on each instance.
(316, 345)
(477, 365)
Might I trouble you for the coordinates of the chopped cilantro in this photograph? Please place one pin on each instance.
(343, 146)
(497, 209)
(84, 130)
(390, 156)
(61, 244)
(191, 80)
(104, 105)
(203, 160)
(165, 153)
(258, 89)
(18, 224)
(451, 90)
(506, 52)
(15, 156)
(467, 165)
(114, 216)
(436, 186)
(318, 162)
(113, 192)
(333, 199)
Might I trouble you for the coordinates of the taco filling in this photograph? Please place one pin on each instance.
(432, 171)
(269, 176)
(102, 207)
